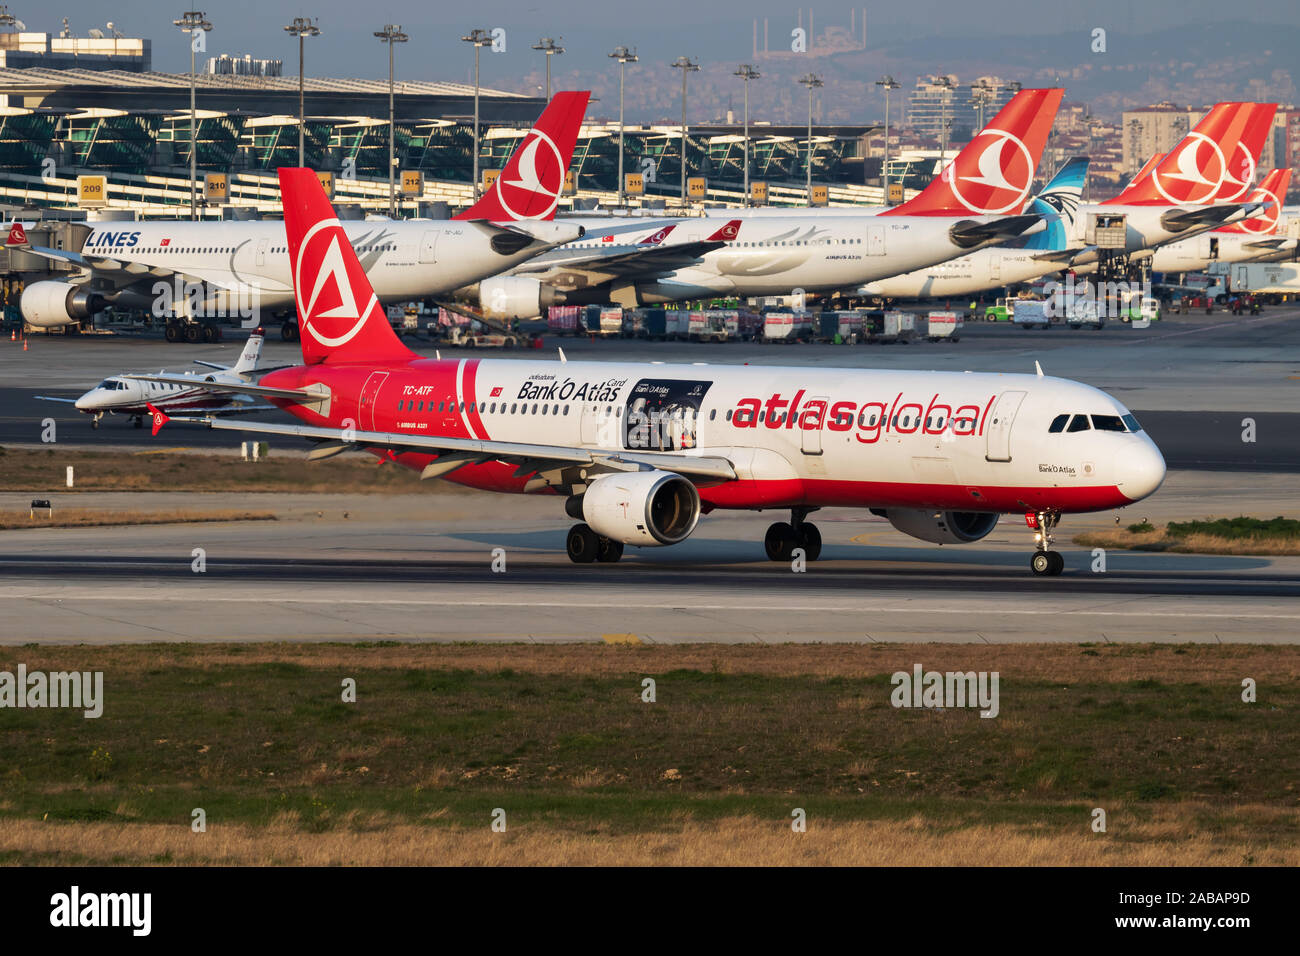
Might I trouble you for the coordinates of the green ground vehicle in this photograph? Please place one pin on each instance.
(1003, 310)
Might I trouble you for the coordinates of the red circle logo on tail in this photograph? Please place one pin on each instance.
(326, 286)
(1194, 175)
(1266, 222)
(995, 180)
(531, 185)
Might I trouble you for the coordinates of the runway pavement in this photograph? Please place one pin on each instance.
(420, 567)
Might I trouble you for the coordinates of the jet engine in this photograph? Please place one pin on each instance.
(941, 527)
(50, 304)
(516, 297)
(646, 508)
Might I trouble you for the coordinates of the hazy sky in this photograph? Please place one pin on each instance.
(661, 29)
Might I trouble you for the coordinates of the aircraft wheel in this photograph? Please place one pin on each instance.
(171, 333)
(209, 333)
(1058, 562)
(137, 422)
(780, 541)
(608, 550)
(810, 539)
(94, 423)
(1040, 564)
(192, 334)
(583, 544)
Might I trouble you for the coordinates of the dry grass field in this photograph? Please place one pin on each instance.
(587, 772)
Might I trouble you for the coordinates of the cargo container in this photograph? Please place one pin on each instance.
(1032, 314)
(780, 325)
(562, 319)
(943, 325)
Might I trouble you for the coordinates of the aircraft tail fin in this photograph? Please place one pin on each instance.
(1272, 189)
(530, 185)
(994, 173)
(340, 319)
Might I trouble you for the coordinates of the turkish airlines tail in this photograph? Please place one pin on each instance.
(1215, 162)
(994, 173)
(530, 185)
(339, 316)
(1272, 190)
(1145, 171)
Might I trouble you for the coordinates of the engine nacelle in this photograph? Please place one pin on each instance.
(646, 508)
(50, 304)
(516, 297)
(941, 527)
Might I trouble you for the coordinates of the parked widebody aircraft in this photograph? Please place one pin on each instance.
(1021, 260)
(131, 395)
(1240, 242)
(243, 268)
(1199, 185)
(639, 451)
(978, 201)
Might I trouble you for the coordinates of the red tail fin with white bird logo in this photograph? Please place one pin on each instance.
(1272, 190)
(994, 173)
(340, 318)
(530, 185)
(1215, 162)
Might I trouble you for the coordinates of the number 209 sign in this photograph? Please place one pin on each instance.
(92, 190)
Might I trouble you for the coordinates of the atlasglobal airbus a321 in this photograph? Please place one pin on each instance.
(639, 451)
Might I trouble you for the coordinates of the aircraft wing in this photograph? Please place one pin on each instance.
(456, 452)
(1060, 255)
(217, 366)
(303, 396)
(51, 398)
(973, 232)
(1179, 219)
(634, 263)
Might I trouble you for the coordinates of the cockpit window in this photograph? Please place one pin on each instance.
(1079, 423)
(1108, 423)
(1132, 423)
(111, 385)
(1058, 424)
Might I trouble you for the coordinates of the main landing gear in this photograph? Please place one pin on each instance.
(1045, 562)
(585, 546)
(782, 538)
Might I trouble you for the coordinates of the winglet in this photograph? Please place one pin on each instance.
(1038, 368)
(727, 233)
(159, 418)
(658, 236)
(562, 355)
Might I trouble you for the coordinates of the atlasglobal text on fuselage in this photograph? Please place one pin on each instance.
(639, 451)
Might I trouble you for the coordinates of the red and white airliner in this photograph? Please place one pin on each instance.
(641, 450)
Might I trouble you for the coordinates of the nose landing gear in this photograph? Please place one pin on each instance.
(782, 538)
(1045, 562)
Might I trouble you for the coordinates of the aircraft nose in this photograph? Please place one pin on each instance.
(1142, 472)
(86, 402)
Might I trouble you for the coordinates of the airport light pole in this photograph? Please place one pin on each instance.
(480, 39)
(548, 46)
(812, 81)
(390, 34)
(302, 27)
(191, 22)
(747, 73)
(624, 57)
(981, 93)
(888, 83)
(686, 65)
(946, 87)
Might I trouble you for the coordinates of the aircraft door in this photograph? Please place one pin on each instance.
(875, 240)
(998, 430)
(429, 246)
(262, 245)
(369, 395)
(812, 437)
(995, 264)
